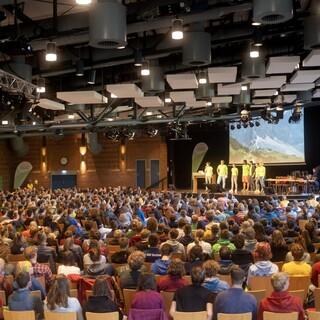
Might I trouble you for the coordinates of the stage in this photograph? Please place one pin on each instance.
(247, 195)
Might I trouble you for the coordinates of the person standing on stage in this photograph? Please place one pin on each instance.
(260, 176)
(245, 176)
(234, 178)
(222, 171)
(208, 172)
(252, 173)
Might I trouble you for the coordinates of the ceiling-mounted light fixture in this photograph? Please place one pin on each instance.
(244, 87)
(167, 98)
(209, 103)
(41, 87)
(145, 69)
(79, 68)
(71, 116)
(203, 77)
(177, 29)
(4, 122)
(83, 146)
(83, 2)
(257, 38)
(92, 77)
(51, 52)
(138, 59)
(255, 23)
(254, 52)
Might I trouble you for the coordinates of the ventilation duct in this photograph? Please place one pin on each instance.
(312, 27)
(197, 48)
(93, 144)
(253, 67)
(19, 147)
(19, 68)
(272, 11)
(205, 91)
(154, 82)
(108, 25)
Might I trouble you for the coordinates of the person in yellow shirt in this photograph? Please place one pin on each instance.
(260, 176)
(234, 178)
(222, 171)
(245, 176)
(208, 173)
(297, 267)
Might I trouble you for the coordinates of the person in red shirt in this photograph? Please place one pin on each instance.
(174, 279)
(315, 273)
(280, 301)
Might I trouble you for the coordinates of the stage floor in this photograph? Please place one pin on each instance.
(250, 194)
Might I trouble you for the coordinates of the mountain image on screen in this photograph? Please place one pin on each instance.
(269, 143)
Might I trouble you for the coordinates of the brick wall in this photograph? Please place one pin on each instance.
(104, 169)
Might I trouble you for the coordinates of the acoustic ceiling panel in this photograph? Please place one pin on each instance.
(225, 99)
(222, 74)
(305, 76)
(261, 101)
(51, 105)
(182, 96)
(282, 65)
(272, 82)
(82, 97)
(316, 93)
(149, 102)
(287, 98)
(122, 109)
(312, 59)
(297, 87)
(125, 90)
(265, 93)
(229, 89)
(182, 81)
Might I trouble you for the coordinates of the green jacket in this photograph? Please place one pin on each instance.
(220, 243)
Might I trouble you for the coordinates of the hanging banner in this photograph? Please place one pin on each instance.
(198, 154)
(21, 174)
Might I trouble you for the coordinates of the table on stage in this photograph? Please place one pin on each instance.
(199, 175)
(284, 185)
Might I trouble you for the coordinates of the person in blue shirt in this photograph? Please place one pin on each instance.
(235, 300)
(211, 281)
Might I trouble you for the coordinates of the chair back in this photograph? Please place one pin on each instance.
(74, 293)
(258, 294)
(128, 295)
(16, 257)
(201, 315)
(313, 315)
(302, 223)
(88, 294)
(36, 293)
(167, 298)
(299, 283)
(279, 264)
(280, 316)
(102, 316)
(260, 283)
(298, 293)
(226, 278)
(19, 315)
(235, 316)
(51, 315)
(3, 297)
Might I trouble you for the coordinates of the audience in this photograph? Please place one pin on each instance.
(68, 264)
(211, 281)
(280, 301)
(223, 241)
(160, 266)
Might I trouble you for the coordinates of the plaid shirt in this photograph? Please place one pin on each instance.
(43, 270)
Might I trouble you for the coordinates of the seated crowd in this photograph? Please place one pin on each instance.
(203, 252)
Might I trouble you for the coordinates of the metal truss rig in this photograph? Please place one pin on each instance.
(16, 85)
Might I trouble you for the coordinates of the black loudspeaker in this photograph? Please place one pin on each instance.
(268, 190)
(213, 187)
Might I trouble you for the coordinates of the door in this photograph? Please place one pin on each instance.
(59, 181)
(155, 173)
(141, 173)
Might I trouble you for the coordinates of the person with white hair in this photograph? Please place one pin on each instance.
(280, 301)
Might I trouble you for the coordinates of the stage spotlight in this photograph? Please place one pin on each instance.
(232, 127)
(254, 52)
(129, 133)
(257, 123)
(245, 115)
(152, 132)
(203, 78)
(238, 126)
(113, 135)
(251, 124)
(145, 69)
(59, 132)
(296, 114)
(245, 125)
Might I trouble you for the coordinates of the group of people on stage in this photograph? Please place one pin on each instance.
(253, 176)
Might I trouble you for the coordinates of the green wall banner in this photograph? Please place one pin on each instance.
(21, 174)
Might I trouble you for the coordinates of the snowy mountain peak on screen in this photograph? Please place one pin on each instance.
(274, 144)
